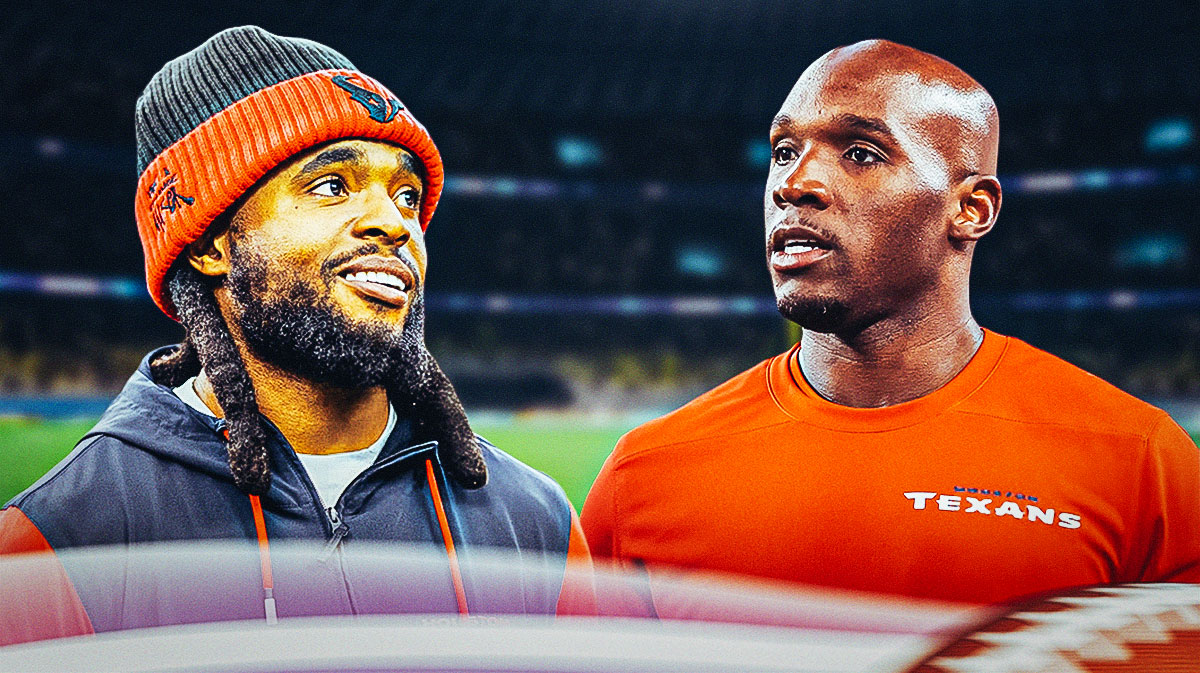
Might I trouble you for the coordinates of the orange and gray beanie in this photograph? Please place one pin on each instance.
(214, 121)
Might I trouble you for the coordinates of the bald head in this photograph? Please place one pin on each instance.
(923, 94)
(882, 180)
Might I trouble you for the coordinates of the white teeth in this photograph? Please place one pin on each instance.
(797, 247)
(378, 277)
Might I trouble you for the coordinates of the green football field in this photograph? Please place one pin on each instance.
(571, 453)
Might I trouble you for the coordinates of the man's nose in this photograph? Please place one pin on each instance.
(802, 185)
(383, 218)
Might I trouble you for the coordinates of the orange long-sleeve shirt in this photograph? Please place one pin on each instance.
(1023, 474)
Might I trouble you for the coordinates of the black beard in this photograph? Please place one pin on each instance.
(300, 331)
(819, 314)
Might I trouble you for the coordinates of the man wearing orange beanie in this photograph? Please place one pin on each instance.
(282, 205)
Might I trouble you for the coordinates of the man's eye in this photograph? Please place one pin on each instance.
(861, 155)
(409, 198)
(332, 186)
(783, 155)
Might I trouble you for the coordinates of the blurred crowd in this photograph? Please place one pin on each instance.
(667, 106)
(70, 347)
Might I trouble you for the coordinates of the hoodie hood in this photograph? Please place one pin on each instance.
(148, 416)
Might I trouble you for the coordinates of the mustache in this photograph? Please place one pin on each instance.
(329, 266)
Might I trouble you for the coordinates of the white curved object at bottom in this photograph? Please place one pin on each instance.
(475, 644)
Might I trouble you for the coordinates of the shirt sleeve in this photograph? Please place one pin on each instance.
(599, 514)
(1169, 529)
(578, 594)
(623, 585)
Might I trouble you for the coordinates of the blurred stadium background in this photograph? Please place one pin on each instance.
(598, 258)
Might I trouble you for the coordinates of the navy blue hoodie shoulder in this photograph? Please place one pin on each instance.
(154, 469)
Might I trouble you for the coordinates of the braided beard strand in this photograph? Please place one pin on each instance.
(216, 351)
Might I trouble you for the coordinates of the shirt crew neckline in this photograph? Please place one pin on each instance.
(797, 398)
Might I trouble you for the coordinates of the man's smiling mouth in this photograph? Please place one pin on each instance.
(386, 280)
(380, 278)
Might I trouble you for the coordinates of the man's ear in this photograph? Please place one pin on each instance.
(978, 209)
(209, 254)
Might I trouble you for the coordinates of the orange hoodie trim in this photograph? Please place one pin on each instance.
(460, 593)
(37, 601)
(264, 560)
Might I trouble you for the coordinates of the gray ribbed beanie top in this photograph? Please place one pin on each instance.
(228, 67)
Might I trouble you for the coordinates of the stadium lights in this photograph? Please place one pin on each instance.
(578, 152)
(1154, 250)
(1169, 135)
(758, 153)
(131, 288)
(700, 261)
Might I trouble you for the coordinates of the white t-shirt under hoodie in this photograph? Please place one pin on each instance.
(330, 473)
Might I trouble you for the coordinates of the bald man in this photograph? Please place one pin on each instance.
(899, 447)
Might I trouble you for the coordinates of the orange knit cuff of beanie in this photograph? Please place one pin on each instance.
(191, 182)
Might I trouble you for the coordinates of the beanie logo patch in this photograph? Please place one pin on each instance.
(165, 197)
(381, 109)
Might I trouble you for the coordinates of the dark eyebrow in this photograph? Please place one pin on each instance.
(411, 164)
(868, 124)
(846, 119)
(334, 155)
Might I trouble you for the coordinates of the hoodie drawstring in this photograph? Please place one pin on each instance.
(264, 558)
(460, 593)
(264, 550)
